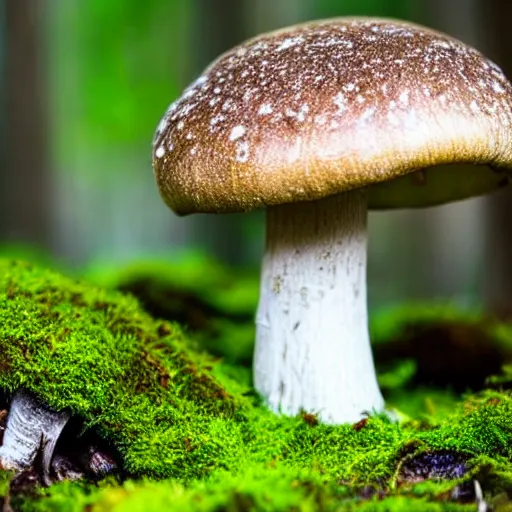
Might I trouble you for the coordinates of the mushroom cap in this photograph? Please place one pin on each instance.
(329, 106)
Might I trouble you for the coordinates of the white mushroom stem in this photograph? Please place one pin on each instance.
(312, 344)
(31, 427)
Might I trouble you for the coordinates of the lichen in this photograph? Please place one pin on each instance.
(193, 435)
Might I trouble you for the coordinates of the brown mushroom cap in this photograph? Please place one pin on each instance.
(329, 106)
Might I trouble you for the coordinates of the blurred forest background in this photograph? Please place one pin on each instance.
(85, 83)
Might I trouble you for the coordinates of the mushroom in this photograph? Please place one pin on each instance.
(319, 122)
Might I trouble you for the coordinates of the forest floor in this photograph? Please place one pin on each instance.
(153, 361)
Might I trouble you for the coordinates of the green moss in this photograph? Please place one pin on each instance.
(214, 302)
(29, 253)
(63, 497)
(389, 323)
(194, 274)
(97, 353)
(257, 488)
(4, 483)
(262, 488)
(178, 417)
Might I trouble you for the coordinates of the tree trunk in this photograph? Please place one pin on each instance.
(25, 187)
(496, 16)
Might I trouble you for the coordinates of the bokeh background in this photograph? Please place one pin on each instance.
(85, 83)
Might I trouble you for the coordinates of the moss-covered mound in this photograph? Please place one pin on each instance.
(206, 443)
(98, 353)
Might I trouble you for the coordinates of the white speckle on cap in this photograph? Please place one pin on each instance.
(186, 109)
(404, 98)
(474, 107)
(237, 132)
(160, 152)
(441, 44)
(180, 125)
(349, 87)
(339, 101)
(217, 119)
(214, 102)
(320, 120)
(491, 109)
(248, 94)
(172, 107)
(290, 113)
(360, 98)
(289, 42)
(265, 109)
(217, 90)
(497, 87)
(189, 93)
(303, 111)
(227, 105)
(200, 81)
(189, 136)
(193, 151)
(242, 151)
(162, 125)
(367, 114)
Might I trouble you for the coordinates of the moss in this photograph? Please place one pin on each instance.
(261, 488)
(193, 276)
(177, 416)
(257, 488)
(97, 353)
(26, 252)
(214, 302)
(4, 483)
(408, 341)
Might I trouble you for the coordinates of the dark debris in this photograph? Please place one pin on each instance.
(449, 354)
(432, 466)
